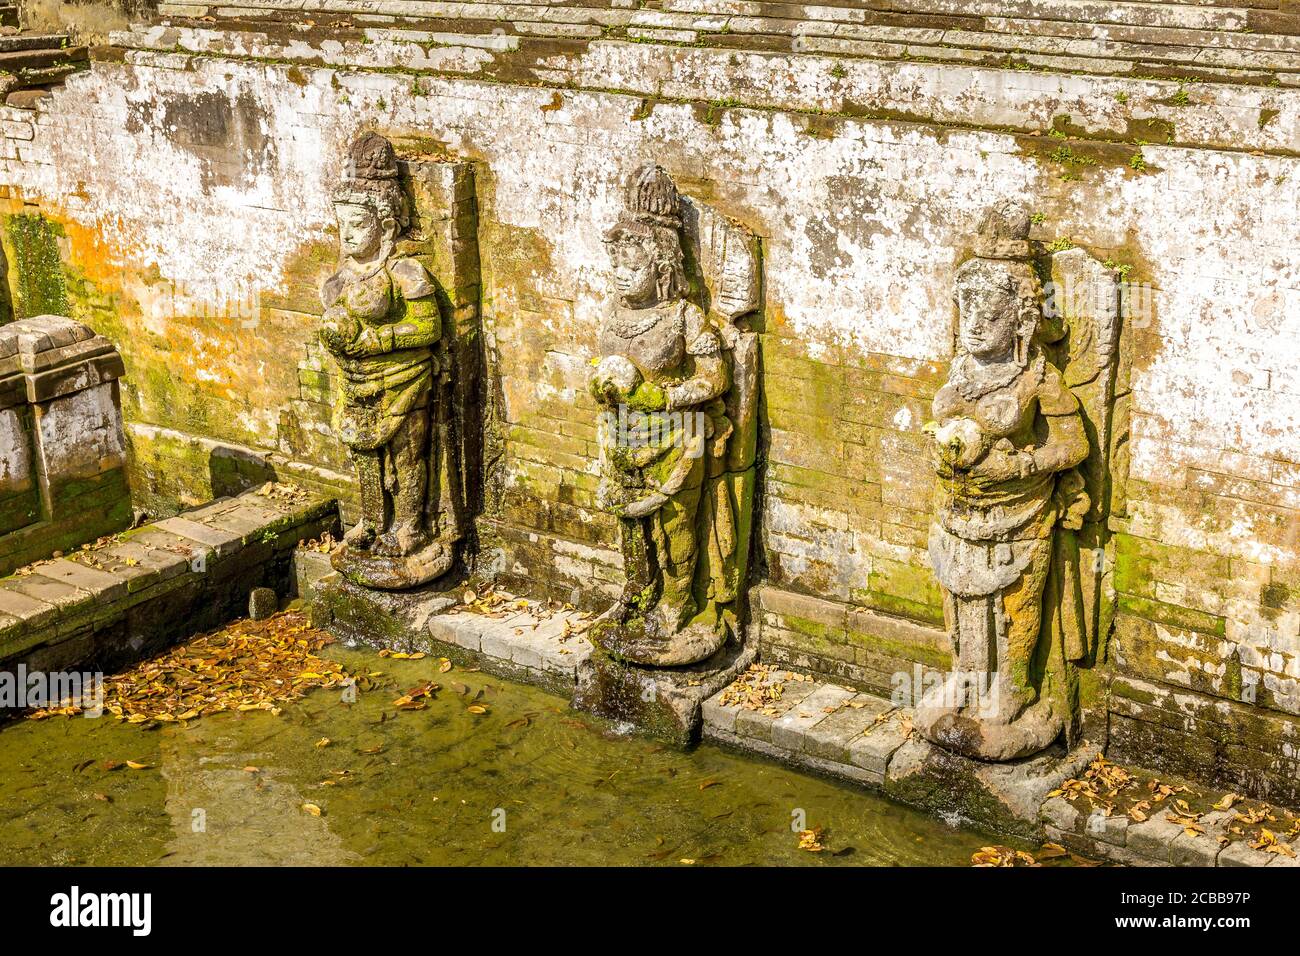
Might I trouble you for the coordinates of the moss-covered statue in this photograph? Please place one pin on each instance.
(381, 324)
(1009, 434)
(676, 385)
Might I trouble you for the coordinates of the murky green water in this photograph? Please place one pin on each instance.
(529, 782)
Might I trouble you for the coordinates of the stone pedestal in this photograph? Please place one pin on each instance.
(1004, 797)
(62, 449)
(664, 702)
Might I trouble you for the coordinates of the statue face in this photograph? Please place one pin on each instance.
(635, 271)
(360, 231)
(987, 319)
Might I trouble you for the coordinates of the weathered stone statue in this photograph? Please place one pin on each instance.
(677, 385)
(1008, 437)
(382, 324)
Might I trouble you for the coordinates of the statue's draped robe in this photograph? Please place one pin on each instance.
(380, 391)
(992, 548)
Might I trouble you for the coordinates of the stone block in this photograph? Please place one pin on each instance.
(873, 749)
(792, 730)
(1153, 838)
(262, 603)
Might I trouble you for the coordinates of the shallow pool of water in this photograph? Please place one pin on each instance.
(527, 782)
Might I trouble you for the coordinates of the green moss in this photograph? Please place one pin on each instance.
(1172, 615)
(36, 273)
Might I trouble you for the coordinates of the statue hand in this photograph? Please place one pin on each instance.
(366, 342)
(337, 330)
(1001, 464)
(647, 397)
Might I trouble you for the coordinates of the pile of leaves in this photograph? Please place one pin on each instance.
(250, 665)
(756, 689)
(288, 493)
(1112, 790)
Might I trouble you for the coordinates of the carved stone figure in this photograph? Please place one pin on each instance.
(677, 383)
(1009, 436)
(382, 324)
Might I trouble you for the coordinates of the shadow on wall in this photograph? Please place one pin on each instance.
(88, 21)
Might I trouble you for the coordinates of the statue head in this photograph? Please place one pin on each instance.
(369, 203)
(645, 245)
(998, 309)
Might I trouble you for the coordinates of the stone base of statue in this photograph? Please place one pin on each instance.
(664, 702)
(1004, 797)
(394, 572)
(982, 738)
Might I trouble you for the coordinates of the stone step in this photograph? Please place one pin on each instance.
(16, 61)
(528, 641)
(34, 41)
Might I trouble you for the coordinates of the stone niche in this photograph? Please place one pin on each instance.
(62, 449)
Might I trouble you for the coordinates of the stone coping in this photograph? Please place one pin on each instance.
(829, 77)
(47, 356)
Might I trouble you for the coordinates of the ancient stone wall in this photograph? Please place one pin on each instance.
(183, 183)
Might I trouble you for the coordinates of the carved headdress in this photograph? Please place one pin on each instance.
(652, 217)
(1003, 263)
(370, 179)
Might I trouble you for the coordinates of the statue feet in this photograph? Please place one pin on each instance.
(393, 571)
(360, 535)
(653, 639)
(968, 732)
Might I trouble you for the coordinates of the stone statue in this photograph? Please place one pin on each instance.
(1009, 436)
(382, 325)
(677, 387)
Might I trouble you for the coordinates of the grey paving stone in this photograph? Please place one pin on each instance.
(61, 595)
(718, 715)
(137, 564)
(877, 744)
(105, 585)
(32, 612)
(758, 725)
(1240, 853)
(1152, 838)
(1062, 814)
(222, 540)
(830, 738)
(792, 730)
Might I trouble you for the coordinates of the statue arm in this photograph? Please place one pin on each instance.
(1066, 445)
(710, 380)
(420, 328)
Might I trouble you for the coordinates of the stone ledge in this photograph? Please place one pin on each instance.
(1244, 113)
(134, 593)
(526, 641)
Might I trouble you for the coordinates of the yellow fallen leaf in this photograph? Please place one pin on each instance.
(137, 766)
(476, 709)
(311, 808)
(323, 742)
